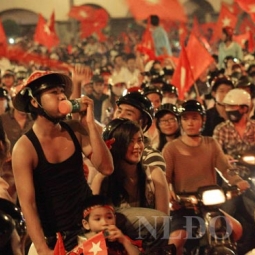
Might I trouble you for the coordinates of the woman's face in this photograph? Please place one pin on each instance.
(135, 149)
(168, 124)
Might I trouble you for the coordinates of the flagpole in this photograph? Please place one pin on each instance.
(194, 84)
(73, 24)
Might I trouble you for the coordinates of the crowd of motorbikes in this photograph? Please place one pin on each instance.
(212, 237)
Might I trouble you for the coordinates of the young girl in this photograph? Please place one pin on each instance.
(99, 215)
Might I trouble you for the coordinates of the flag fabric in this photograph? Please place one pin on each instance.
(94, 24)
(225, 18)
(80, 13)
(183, 32)
(165, 9)
(196, 27)
(251, 42)
(182, 77)
(146, 46)
(95, 245)
(199, 57)
(51, 23)
(44, 35)
(92, 20)
(233, 8)
(246, 25)
(241, 39)
(3, 41)
(246, 37)
(248, 6)
(59, 247)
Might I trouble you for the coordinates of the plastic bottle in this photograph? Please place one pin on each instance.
(71, 106)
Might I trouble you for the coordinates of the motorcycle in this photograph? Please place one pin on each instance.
(213, 234)
(244, 166)
(12, 229)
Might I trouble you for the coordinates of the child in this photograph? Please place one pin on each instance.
(99, 215)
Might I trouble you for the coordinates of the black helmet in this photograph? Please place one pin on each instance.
(141, 102)
(246, 82)
(167, 108)
(192, 106)
(4, 93)
(151, 89)
(111, 127)
(167, 87)
(7, 226)
(168, 71)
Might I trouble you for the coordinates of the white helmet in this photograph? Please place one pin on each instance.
(237, 97)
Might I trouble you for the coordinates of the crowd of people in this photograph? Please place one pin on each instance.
(136, 143)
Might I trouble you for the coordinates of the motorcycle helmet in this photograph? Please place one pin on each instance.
(111, 127)
(151, 89)
(237, 97)
(245, 83)
(167, 108)
(167, 87)
(37, 82)
(192, 106)
(7, 227)
(142, 103)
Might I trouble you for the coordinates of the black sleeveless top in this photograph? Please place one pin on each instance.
(60, 189)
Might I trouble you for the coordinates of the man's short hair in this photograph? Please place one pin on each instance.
(154, 20)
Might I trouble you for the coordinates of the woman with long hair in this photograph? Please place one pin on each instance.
(132, 184)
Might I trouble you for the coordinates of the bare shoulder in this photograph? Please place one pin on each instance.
(23, 151)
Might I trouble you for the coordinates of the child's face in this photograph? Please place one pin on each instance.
(99, 219)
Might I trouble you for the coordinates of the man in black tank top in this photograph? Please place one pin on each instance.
(48, 162)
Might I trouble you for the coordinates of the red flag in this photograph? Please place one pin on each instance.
(208, 26)
(246, 25)
(241, 39)
(233, 8)
(226, 18)
(169, 25)
(248, 6)
(59, 247)
(198, 62)
(251, 42)
(182, 77)
(146, 46)
(95, 245)
(183, 32)
(196, 27)
(81, 12)
(44, 35)
(51, 22)
(95, 24)
(165, 9)
(3, 41)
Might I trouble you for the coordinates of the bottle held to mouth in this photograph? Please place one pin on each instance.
(71, 106)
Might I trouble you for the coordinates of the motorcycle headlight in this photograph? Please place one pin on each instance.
(249, 159)
(212, 196)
